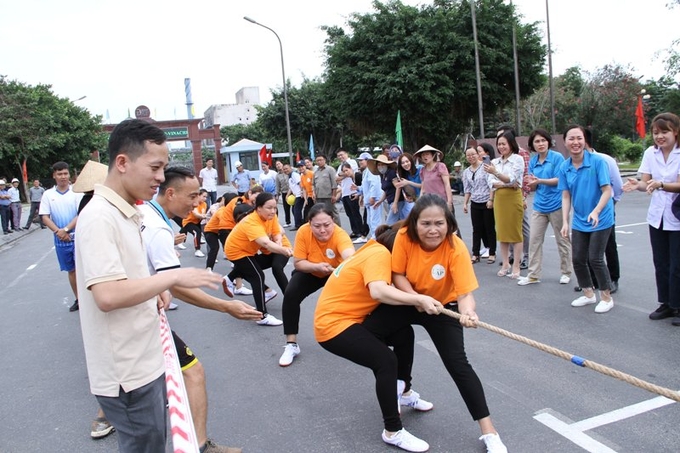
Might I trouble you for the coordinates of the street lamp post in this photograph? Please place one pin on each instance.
(285, 88)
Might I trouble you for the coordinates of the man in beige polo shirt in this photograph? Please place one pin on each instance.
(120, 300)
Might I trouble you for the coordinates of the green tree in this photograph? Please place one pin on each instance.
(38, 128)
(420, 60)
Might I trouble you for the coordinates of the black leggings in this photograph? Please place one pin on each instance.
(447, 335)
(360, 346)
(251, 269)
(483, 228)
(214, 240)
(195, 229)
(300, 286)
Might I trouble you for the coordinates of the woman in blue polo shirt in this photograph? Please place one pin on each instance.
(542, 178)
(586, 186)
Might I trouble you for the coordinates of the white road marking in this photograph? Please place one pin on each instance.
(631, 225)
(32, 266)
(579, 438)
(623, 413)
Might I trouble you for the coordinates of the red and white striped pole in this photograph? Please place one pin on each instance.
(181, 423)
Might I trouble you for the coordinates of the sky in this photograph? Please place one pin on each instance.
(127, 53)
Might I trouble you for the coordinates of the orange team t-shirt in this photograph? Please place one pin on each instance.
(217, 222)
(191, 218)
(229, 221)
(241, 240)
(308, 247)
(345, 299)
(306, 181)
(442, 274)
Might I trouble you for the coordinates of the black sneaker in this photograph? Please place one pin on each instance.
(676, 320)
(577, 289)
(74, 307)
(524, 264)
(663, 312)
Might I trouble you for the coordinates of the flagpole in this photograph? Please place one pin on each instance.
(480, 108)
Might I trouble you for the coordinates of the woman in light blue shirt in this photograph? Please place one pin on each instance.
(543, 168)
(660, 168)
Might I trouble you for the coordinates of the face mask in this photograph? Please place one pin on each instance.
(382, 170)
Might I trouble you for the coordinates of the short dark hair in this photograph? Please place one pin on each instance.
(574, 126)
(319, 208)
(539, 133)
(202, 191)
(489, 149)
(130, 137)
(59, 166)
(427, 201)
(173, 175)
(262, 198)
(667, 122)
(510, 137)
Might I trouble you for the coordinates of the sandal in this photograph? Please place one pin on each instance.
(513, 275)
(491, 259)
(503, 272)
(475, 259)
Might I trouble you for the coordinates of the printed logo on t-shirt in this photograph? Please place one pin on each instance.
(438, 272)
(330, 254)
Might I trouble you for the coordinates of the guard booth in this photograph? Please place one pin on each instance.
(186, 130)
(248, 153)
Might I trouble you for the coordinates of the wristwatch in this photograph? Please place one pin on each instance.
(66, 229)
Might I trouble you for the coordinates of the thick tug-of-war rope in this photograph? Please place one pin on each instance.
(580, 361)
(181, 423)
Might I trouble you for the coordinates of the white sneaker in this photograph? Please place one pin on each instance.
(172, 306)
(269, 320)
(269, 295)
(524, 281)
(290, 350)
(286, 225)
(243, 291)
(228, 287)
(583, 301)
(202, 240)
(181, 246)
(484, 253)
(564, 280)
(360, 240)
(494, 444)
(199, 254)
(406, 441)
(604, 307)
(413, 400)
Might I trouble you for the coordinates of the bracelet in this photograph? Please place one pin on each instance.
(662, 185)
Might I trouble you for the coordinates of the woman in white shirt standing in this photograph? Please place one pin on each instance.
(660, 168)
(505, 181)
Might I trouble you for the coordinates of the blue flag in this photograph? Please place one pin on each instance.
(311, 146)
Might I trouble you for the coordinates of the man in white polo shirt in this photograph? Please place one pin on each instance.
(208, 179)
(119, 299)
(177, 196)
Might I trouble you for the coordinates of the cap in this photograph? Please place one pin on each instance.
(301, 163)
(456, 164)
(2, 182)
(365, 156)
(238, 164)
(15, 180)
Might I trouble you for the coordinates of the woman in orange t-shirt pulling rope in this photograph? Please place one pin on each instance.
(320, 247)
(353, 290)
(428, 258)
(259, 231)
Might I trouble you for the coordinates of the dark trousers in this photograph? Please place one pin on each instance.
(297, 211)
(300, 286)
(139, 417)
(251, 269)
(587, 250)
(360, 346)
(666, 256)
(483, 228)
(5, 214)
(306, 209)
(212, 198)
(195, 229)
(447, 335)
(286, 210)
(214, 240)
(352, 210)
(35, 208)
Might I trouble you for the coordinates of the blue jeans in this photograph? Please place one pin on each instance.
(403, 210)
(587, 249)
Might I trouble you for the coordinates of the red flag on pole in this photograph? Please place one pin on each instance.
(263, 153)
(297, 157)
(640, 119)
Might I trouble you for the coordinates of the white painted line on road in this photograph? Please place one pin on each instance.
(579, 438)
(623, 413)
(25, 273)
(631, 225)
(31, 267)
